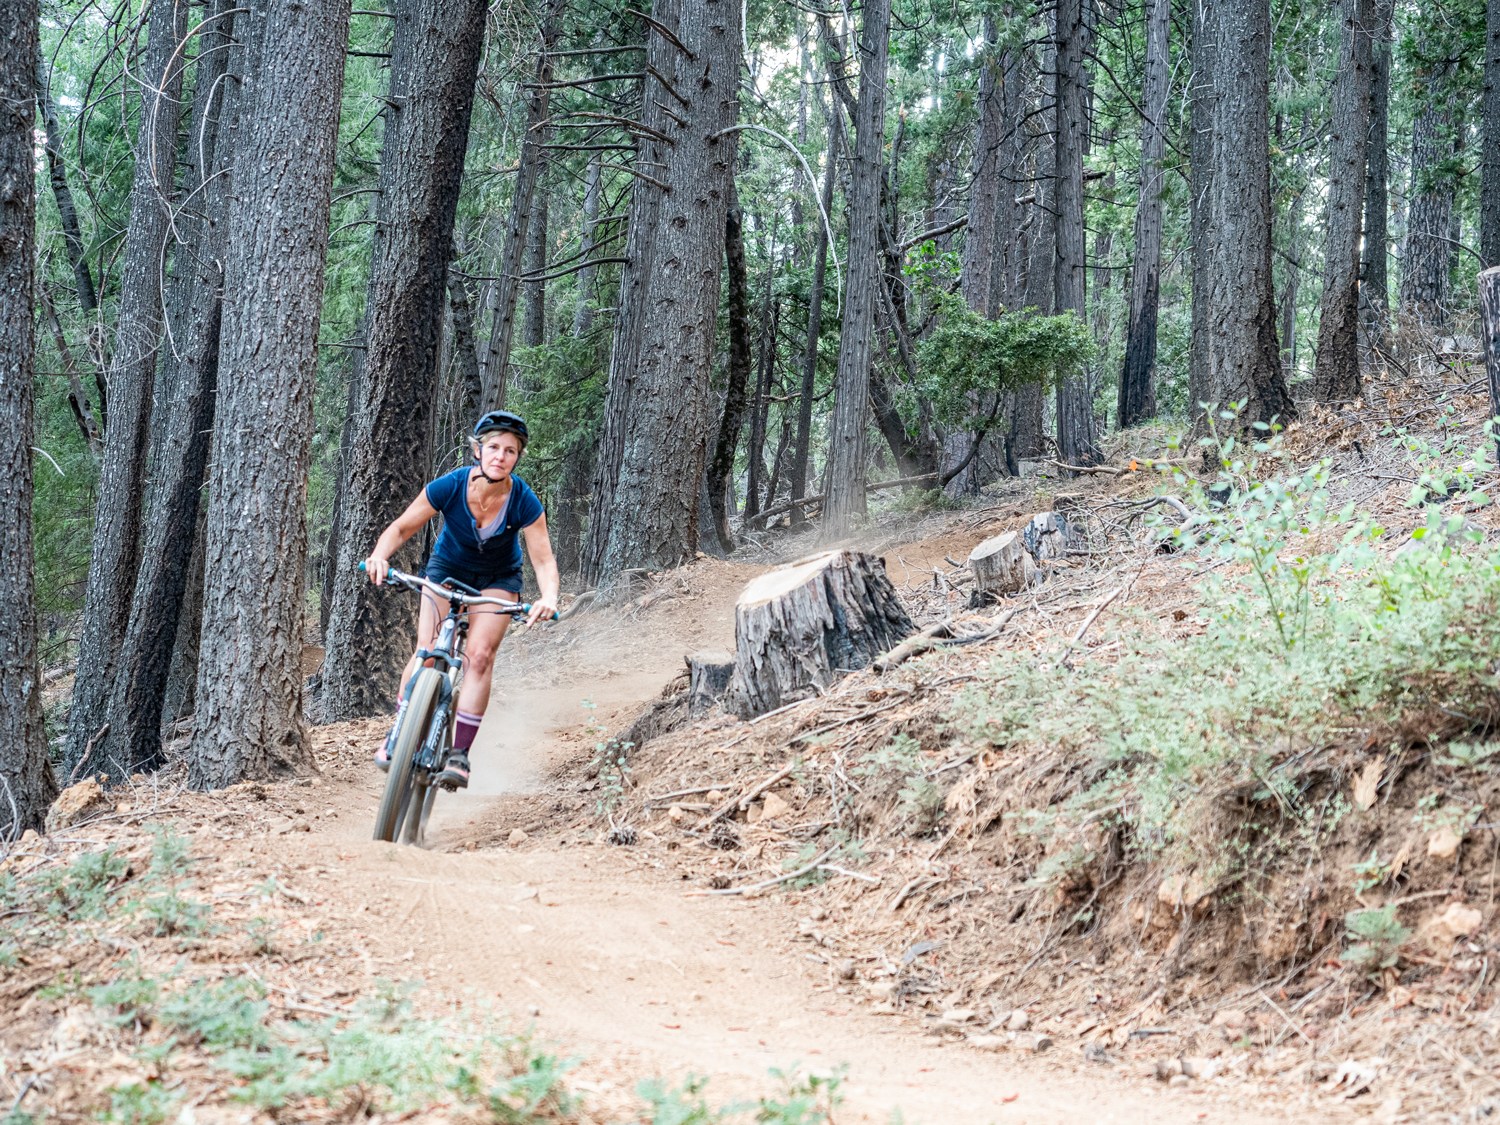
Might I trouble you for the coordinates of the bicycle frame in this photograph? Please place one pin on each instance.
(431, 757)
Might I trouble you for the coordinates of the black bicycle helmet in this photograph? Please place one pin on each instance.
(503, 421)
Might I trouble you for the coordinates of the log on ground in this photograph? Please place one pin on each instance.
(1001, 566)
(799, 627)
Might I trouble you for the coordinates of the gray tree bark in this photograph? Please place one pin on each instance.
(534, 293)
(1075, 415)
(1424, 265)
(738, 370)
(434, 63)
(122, 473)
(1200, 186)
(1489, 184)
(494, 357)
(249, 719)
(25, 773)
(847, 429)
(187, 374)
(656, 411)
(1137, 398)
(802, 457)
(1374, 287)
(583, 312)
(1244, 365)
(67, 211)
(1336, 371)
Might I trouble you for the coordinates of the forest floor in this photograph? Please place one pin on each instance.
(250, 955)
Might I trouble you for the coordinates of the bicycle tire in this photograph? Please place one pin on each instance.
(416, 817)
(409, 739)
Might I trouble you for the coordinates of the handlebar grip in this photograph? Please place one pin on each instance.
(526, 608)
(361, 564)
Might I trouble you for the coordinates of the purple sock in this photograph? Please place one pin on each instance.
(465, 730)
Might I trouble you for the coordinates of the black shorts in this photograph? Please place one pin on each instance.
(438, 569)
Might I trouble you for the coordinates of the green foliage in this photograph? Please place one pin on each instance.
(1314, 631)
(141, 1103)
(899, 765)
(1378, 935)
(967, 357)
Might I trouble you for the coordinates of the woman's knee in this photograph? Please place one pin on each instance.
(480, 656)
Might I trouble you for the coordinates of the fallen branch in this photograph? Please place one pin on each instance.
(940, 635)
(580, 603)
(780, 509)
(1088, 622)
(1132, 466)
(742, 801)
(753, 887)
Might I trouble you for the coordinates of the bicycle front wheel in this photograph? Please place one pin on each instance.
(395, 802)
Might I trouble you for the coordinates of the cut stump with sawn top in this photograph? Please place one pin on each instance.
(1001, 566)
(708, 679)
(800, 627)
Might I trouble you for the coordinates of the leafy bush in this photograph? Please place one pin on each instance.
(1379, 936)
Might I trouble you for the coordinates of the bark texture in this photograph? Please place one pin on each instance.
(1137, 398)
(656, 410)
(1489, 188)
(57, 174)
(1424, 265)
(1243, 361)
(1001, 566)
(249, 690)
(802, 455)
(495, 357)
(1374, 287)
(434, 64)
(1200, 188)
(1075, 416)
(183, 402)
(25, 773)
(1336, 374)
(846, 441)
(733, 418)
(800, 627)
(122, 474)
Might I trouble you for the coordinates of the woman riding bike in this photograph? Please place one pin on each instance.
(487, 510)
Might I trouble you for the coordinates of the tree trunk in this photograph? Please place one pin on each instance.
(1243, 363)
(583, 312)
(1200, 208)
(1336, 376)
(1137, 398)
(434, 64)
(802, 459)
(721, 467)
(1075, 414)
(799, 628)
(122, 474)
(57, 170)
(465, 355)
(1424, 266)
(1489, 324)
(184, 404)
(1374, 287)
(846, 454)
(1027, 438)
(182, 674)
(25, 773)
(1489, 189)
(760, 403)
(534, 293)
(495, 356)
(249, 691)
(656, 412)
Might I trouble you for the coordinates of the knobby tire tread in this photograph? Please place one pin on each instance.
(398, 784)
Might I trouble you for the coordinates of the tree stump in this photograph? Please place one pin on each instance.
(1001, 565)
(1047, 536)
(708, 680)
(800, 627)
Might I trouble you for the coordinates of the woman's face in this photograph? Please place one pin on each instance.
(498, 453)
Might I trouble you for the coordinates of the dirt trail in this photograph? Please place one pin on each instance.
(613, 962)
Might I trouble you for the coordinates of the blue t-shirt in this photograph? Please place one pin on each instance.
(460, 543)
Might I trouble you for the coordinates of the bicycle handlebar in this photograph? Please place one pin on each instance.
(394, 577)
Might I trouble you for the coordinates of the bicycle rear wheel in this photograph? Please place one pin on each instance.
(395, 802)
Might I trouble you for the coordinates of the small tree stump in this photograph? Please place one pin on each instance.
(800, 627)
(1001, 565)
(708, 680)
(1047, 536)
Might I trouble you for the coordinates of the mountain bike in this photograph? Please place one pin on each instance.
(424, 731)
